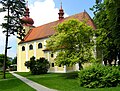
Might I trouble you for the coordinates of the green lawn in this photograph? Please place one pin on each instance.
(62, 82)
(13, 84)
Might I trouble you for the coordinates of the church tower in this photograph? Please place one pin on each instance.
(61, 13)
(27, 21)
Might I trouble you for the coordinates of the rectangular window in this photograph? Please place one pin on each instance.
(52, 64)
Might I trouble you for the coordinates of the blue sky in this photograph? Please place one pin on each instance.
(45, 11)
(76, 6)
(72, 6)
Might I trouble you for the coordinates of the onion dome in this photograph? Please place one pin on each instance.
(61, 13)
(26, 20)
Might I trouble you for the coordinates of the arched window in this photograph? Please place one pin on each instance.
(31, 47)
(52, 55)
(39, 45)
(23, 48)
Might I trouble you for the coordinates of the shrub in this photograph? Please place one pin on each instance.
(99, 76)
(39, 66)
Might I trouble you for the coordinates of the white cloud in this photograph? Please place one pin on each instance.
(43, 12)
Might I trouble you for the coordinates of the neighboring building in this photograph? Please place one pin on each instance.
(34, 43)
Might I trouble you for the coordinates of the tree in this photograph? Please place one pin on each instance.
(15, 9)
(8, 62)
(105, 38)
(74, 41)
(113, 12)
(39, 66)
(14, 61)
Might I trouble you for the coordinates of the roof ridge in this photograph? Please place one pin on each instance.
(58, 20)
(46, 30)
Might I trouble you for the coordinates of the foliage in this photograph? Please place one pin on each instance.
(74, 41)
(106, 33)
(14, 61)
(99, 76)
(113, 12)
(16, 10)
(8, 62)
(39, 66)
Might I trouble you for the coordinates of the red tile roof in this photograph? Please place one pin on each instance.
(47, 30)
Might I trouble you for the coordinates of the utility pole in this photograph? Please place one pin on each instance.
(6, 42)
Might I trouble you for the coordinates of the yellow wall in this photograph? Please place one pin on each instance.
(27, 54)
(69, 68)
(21, 58)
(39, 51)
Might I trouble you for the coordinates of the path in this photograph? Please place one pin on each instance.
(32, 84)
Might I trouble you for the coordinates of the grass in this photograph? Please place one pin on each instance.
(62, 82)
(11, 83)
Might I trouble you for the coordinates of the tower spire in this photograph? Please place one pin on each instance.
(27, 21)
(61, 4)
(26, 3)
(27, 9)
(61, 12)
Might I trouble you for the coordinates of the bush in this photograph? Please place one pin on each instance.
(39, 66)
(99, 76)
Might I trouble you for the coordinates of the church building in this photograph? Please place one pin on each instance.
(34, 43)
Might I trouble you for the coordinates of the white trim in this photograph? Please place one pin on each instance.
(34, 48)
(56, 70)
(65, 68)
(77, 66)
(49, 56)
(26, 50)
(95, 52)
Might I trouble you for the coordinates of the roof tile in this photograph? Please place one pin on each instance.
(47, 30)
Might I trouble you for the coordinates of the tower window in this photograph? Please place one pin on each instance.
(52, 55)
(23, 48)
(39, 45)
(52, 64)
(31, 47)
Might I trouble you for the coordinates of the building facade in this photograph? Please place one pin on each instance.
(34, 43)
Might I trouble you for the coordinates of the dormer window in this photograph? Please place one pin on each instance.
(23, 48)
(31, 47)
(39, 45)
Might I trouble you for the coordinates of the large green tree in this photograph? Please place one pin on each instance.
(73, 41)
(15, 10)
(113, 12)
(107, 33)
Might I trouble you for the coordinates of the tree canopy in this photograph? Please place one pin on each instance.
(8, 62)
(14, 61)
(107, 14)
(73, 41)
(16, 9)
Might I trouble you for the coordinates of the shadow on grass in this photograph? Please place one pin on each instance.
(70, 75)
